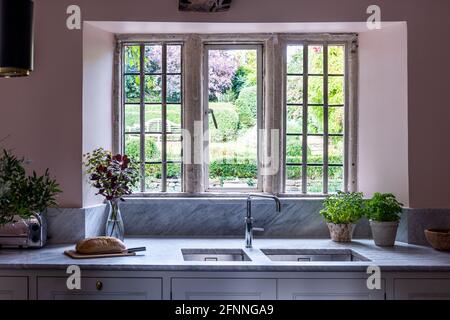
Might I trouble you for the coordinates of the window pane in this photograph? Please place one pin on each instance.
(336, 150)
(315, 179)
(336, 90)
(153, 118)
(335, 179)
(315, 90)
(294, 92)
(315, 59)
(293, 179)
(336, 120)
(315, 150)
(153, 58)
(173, 89)
(295, 59)
(173, 147)
(153, 89)
(315, 120)
(336, 60)
(133, 146)
(132, 59)
(153, 149)
(294, 149)
(174, 177)
(153, 174)
(294, 119)
(174, 59)
(132, 118)
(233, 96)
(174, 118)
(132, 89)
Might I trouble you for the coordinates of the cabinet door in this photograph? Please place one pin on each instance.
(13, 288)
(328, 289)
(55, 288)
(224, 289)
(422, 289)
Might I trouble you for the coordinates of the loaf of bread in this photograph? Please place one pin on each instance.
(99, 245)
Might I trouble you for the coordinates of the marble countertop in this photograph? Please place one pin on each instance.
(164, 254)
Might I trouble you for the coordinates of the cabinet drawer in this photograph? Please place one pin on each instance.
(55, 288)
(422, 289)
(328, 289)
(223, 289)
(13, 288)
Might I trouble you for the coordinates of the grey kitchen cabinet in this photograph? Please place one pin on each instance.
(223, 289)
(13, 288)
(55, 288)
(328, 289)
(422, 289)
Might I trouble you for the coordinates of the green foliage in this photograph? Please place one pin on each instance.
(151, 149)
(21, 195)
(383, 208)
(227, 120)
(113, 176)
(233, 168)
(343, 208)
(246, 107)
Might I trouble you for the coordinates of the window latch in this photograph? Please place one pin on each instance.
(211, 112)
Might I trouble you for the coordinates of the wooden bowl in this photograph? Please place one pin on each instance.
(439, 239)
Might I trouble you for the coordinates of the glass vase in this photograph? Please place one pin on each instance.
(114, 224)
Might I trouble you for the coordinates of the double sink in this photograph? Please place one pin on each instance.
(280, 255)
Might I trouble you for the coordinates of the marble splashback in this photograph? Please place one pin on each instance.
(223, 217)
(199, 217)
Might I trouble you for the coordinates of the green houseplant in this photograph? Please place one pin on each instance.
(114, 177)
(341, 212)
(383, 210)
(23, 196)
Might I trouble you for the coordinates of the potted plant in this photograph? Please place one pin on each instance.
(383, 211)
(24, 197)
(341, 212)
(114, 177)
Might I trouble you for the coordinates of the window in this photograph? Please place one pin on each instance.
(152, 113)
(316, 128)
(273, 113)
(233, 78)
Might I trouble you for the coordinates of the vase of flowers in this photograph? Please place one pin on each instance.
(114, 177)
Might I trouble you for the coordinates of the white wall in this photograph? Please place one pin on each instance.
(98, 59)
(383, 112)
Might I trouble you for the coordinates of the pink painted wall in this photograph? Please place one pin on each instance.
(43, 113)
(383, 112)
(98, 59)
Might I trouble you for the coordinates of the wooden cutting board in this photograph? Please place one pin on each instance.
(75, 255)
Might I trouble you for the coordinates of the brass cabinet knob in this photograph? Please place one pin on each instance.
(99, 285)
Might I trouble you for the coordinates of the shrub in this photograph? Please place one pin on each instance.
(343, 208)
(227, 120)
(133, 149)
(383, 208)
(246, 106)
(232, 169)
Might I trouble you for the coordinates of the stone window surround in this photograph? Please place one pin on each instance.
(274, 46)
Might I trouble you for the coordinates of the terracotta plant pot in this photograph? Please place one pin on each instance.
(341, 232)
(384, 233)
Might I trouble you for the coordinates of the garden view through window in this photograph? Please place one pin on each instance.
(233, 105)
(152, 113)
(315, 109)
(315, 118)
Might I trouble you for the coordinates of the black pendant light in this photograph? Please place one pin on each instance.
(16, 38)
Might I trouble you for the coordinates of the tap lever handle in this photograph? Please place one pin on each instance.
(259, 229)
